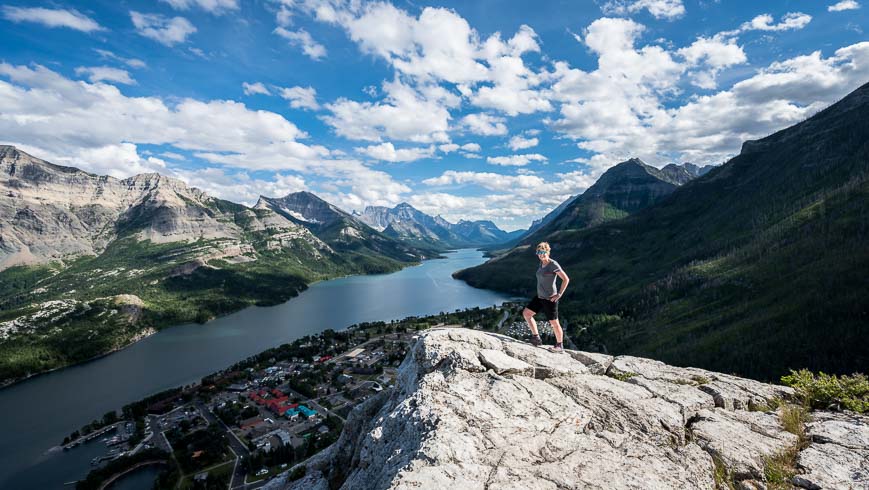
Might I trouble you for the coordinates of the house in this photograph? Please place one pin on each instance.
(307, 412)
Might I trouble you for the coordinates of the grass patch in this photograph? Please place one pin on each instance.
(723, 477)
(793, 419)
(825, 391)
(779, 470)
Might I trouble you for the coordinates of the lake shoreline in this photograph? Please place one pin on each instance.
(156, 327)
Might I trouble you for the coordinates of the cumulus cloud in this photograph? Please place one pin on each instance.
(709, 56)
(388, 153)
(487, 180)
(96, 127)
(440, 46)
(451, 147)
(710, 129)
(217, 7)
(484, 124)
(301, 38)
(301, 97)
(239, 186)
(514, 199)
(843, 5)
(516, 160)
(69, 18)
(405, 114)
(660, 9)
(164, 30)
(790, 21)
(105, 74)
(255, 88)
(519, 142)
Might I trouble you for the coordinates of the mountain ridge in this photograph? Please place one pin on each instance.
(407, 223)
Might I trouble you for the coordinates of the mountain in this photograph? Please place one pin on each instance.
(342, 231)
(539, 223)
(90, 263)
(482, 232)
(685, 172)
(622, 190)
(477, 410)
(756, 267)
(411, 225)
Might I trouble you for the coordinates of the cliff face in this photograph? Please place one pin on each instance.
(472, 410)
(50, 212)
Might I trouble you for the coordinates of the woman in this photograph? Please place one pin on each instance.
(547, 298)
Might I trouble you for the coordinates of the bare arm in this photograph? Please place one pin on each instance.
(564, 282)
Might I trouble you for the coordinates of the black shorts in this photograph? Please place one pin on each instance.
(549, 308)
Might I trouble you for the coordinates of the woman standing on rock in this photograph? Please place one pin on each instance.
(547, 297)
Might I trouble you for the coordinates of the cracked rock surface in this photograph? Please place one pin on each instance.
(474, 410)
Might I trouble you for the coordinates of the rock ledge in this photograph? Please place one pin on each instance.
(472, 410)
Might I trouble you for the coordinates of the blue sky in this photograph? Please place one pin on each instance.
(477, 110)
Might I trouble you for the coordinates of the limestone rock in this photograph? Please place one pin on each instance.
(839, 455)
(741, 440)
(50, 212)
(467, 412)
(503, 364)
(595, 362)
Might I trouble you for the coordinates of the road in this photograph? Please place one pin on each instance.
(238, 448)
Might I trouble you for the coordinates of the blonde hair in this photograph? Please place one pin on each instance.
(543, 246)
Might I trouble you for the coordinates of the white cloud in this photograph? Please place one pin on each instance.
(388, 153)
(72, 19)
(118, 160)
(516, 160)
(487, 180)
(451, 147)
(843, 5)
(519, 142)
(162, 29)
(484, 124)
(255, 88)
(105, 74)
(660, 9)
(301, 97)
(240, 186)
(710, 129)
(404, 115)
(440, 46)
(709, 56)
(311, 48)
(217, 7)
(131, 62)
(790, 21)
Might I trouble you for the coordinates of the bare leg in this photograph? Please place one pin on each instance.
(529, 318)
(556, 327)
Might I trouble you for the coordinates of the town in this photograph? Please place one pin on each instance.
(266, 415)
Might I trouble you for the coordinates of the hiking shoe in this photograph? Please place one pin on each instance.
(559, 347)
(535, 341)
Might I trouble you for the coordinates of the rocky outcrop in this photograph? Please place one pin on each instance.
(471, 410)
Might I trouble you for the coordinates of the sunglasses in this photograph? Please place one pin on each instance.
(542, 252)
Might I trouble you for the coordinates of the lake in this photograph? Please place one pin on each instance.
(38, 413)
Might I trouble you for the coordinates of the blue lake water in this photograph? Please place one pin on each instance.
(38, 413)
